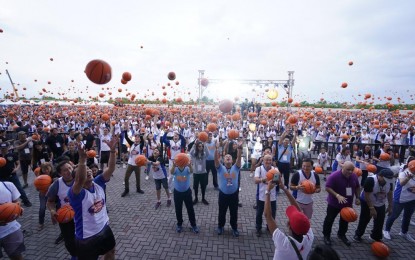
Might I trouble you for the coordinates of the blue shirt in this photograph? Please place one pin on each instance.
(211, 148)
(228, 179)
(181, 179)
(286, 157)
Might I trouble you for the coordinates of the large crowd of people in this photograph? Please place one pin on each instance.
(55, 140)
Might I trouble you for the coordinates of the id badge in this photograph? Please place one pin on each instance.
(26, 151)
(58, 145)
(348, 191)
(284, 158)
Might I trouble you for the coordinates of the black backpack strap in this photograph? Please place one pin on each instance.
(295, 248)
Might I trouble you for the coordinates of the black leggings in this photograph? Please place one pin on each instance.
(203, 180)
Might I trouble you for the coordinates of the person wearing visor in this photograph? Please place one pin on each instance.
(297, 243)
(377, 189)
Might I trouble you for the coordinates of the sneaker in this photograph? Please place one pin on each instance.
(240, 189)
(235, 233)
(168, 203)
(219, 230)
(179, 229)
(258, 232)
(124, 166)
(356, 238)
(125, 193)
(158, 204)
(407, 237)
(140, 191)
(386, 235)
(251, 175)
(195, 201)
(344, 240)
(27, 203)
(370, 239)
(327, 241)
(254, 206)
(195, 229)
(147, 178)
(59, 239)
(205, 202)
(40, 227)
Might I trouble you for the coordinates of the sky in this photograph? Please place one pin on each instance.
(239, 40)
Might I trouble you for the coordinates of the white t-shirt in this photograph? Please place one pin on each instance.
(261, 172)
(284, 249)
(8, 193)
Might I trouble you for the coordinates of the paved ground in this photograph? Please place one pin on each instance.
(144, 233)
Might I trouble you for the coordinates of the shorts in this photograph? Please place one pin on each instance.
(13, 244)
(99, 244)
(105, 156)
(159, 182)
(124, 148)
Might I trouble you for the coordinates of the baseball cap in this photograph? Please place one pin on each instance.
(21, 133)
(387, 173)
(299, 222)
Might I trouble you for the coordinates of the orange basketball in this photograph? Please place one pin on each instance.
(318, 169)
(105, 117)
(42, 183)
(9, 211)
(233, 134)
(35, 137)
(348, 214)
(212, 127)
(384, 157)
(91, 154)
(126, 76)
(36, 171)
(182, 160)
(203, 136)
(309, 187)
(404, 131)
(98, 71)
(140, 160)
(171, 75)
(292, 120)
(357, 171)
(290, 100)
(371, 168)
(379, 249)
(65, 214)
(2, 162)
(225, 106)
(270, 174)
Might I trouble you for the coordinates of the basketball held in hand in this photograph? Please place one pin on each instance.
(182, 160)
(9, 211)
(65, 214)
(42, 183)
(140, 160)
(308, 187)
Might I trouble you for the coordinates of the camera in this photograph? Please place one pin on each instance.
(276, 178)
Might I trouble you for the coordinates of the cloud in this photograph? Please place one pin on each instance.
(249, 40)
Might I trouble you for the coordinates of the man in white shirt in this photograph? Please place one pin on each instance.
(300, 236)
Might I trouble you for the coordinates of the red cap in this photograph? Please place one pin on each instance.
(299, 222)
